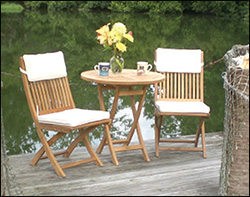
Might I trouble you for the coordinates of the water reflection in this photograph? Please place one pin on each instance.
(74, 34)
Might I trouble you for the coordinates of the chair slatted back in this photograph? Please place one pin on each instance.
(51, 95)
(181, 86)
(47, 96)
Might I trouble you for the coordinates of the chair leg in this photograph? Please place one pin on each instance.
(157, 134)
(40, 153)
(91, 151)
(159, 128)
(203, 141)
(198, 132)
(156, 138)
(72, 146)
(49, 153)
(101, 145)
(201, 129)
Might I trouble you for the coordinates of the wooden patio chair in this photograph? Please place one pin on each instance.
(181, 94)
(53, 109)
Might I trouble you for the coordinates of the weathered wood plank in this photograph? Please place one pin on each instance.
(173, 173)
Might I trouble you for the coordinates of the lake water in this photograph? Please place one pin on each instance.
(74, 34)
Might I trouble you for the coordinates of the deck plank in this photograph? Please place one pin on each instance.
(173, 173)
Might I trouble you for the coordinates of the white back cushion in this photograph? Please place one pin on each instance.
(45, 66)
(178, 60)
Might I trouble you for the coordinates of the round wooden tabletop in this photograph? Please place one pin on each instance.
(126, 77)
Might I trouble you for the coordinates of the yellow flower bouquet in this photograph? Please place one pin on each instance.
(115, 40)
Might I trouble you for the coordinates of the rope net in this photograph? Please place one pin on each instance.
(234, 172)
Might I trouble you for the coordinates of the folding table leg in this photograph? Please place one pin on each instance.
(112, 113)
(106, 137)
(102, 107)
(136, 115)
(135, 125)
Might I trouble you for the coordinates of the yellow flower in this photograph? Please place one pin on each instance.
(103, 35)
(120, 28)
(121, 47)
(113, 39)
(129, 37)
(117, 32)
(115, 36)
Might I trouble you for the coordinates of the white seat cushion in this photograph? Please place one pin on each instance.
(45, 66)
(182, 107)
(178, 60)
(73, 117)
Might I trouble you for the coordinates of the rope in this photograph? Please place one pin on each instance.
(214, 62)
(71, 84)
(10, 74)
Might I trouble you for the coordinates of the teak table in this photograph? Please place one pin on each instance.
(123, 84)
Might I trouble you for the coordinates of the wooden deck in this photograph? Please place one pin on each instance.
(174, 173)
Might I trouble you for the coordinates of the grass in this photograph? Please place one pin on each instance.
(11, 8)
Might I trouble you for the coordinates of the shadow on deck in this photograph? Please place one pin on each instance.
(173, 173)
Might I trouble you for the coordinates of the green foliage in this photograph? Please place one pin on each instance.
(233, 9)
(53, 5)
(238, 9)
(97, 4)
(129, 6)
(168, 7)
(244, 11)
(146, 6)
(34, 4)
(11, 8)
(60, 5)
(220, 8)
